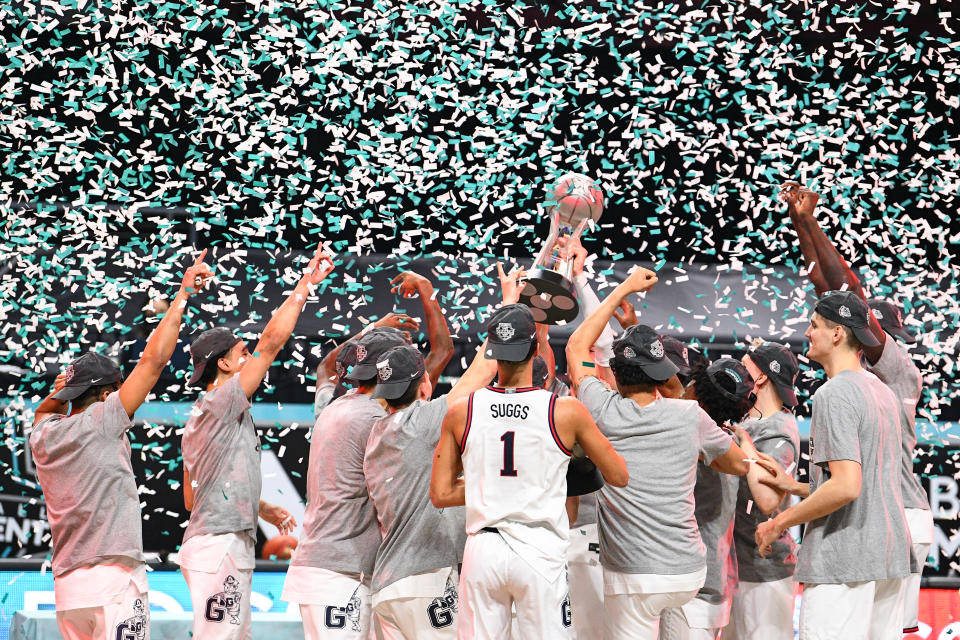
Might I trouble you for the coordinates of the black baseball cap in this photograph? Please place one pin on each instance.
(397, 369)
(346, 359)
(370, 347)
(891, 319)
(730, 369)
(89, 370)
(510, 332)
(641, 346)
(540, 372)
(583, 477)
(210, 345)
(848, 309)
(678, 353)
(780, 365)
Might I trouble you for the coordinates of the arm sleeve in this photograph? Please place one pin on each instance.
(838, 422)
(590, 303)
(714, 441)
(595, 397)
(114, 419)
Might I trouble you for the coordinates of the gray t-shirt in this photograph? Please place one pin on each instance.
(649, 525)
(716, 501)
(83, 464)
(221, 451)
(855, 417)
(778, 437)
(417, 536)
(322, 397)
(898, 372)
(340, 531)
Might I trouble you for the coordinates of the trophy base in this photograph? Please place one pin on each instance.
(551, 297)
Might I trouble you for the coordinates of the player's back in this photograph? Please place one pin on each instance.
(514, 466)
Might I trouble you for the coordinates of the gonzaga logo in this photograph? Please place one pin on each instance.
(656, 349)
(226, 603)
(441, 611)
(504, 330)
(336, 617)
(134, 627)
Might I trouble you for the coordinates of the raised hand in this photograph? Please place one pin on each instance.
(641, 280)
(319, 267)
(409, 285)
(398, 321)
(625, 314)
(572, 249)
(510, 283)
(60, 382)
(799, 199)
(196, 276)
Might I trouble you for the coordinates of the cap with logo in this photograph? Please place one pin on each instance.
(678, 353)
(210, 345)
(89, 370)
(397, 369)
(641, 346)
(848, 309)
(891, 319)
(370, 347)
(346, 359)
(731, 378)
(781, 366)
(510, 332)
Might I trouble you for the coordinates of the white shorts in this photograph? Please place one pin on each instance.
(415, 617)
(762, 611)
(695, 620)
(920, 523)
(221, 601)
(854, 611)
(636, 616)
(493, 579)
(333, 605)
(586, 582)
(127, 618)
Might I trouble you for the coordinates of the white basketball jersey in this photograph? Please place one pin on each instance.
(515, 468)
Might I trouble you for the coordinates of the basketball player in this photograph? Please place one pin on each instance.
(649, 543)
(329, 575)
(83, 464)
(221, 456)
(763, 603)
(856, 547)
(513, 443)
(331, 374)
(888, 361)
(414, 587)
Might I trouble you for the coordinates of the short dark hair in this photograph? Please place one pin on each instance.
(369, 382)
(718, 406)
(92, 394)
(532, 351)
(631, 378)
(408, 396)
(211, 369)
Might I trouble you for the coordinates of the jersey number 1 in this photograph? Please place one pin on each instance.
(508, 468)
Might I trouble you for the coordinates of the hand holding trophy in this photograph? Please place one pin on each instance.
(549, 290)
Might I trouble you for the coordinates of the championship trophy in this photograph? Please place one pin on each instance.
(548, 288)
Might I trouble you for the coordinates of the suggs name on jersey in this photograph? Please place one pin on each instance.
(505, 410)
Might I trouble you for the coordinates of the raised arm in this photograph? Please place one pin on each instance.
(545, 351)
(409, 284)
(570, 411)
(446, 489)
(478, 375)
(50, 404)
(828, 270)
(579, 362)
(841, 488)
(281, 325)
(163, 341)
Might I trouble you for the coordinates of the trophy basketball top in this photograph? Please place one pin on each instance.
(549, 289)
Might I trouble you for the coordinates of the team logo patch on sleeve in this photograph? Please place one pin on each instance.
(504, 330)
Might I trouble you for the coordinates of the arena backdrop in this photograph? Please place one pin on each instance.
(427, 134)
